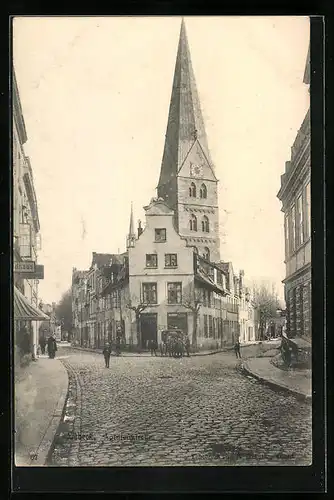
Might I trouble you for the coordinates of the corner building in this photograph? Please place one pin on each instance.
(295, 195)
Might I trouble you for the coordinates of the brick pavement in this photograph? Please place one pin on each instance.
(188, 411)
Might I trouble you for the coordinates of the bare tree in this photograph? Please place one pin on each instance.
(138, 309)
(266, 301)
(192, 299)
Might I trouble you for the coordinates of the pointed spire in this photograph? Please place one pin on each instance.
(185, 121)
(131, 226)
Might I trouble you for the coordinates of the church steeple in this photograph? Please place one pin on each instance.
(131, 238)
(187, 182)
(185, 121)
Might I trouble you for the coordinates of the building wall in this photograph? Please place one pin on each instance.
(296, 205)
(159, 216)
(25, 212)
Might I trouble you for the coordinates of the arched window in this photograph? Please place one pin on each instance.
(206, 253)
(205, 224)
(193, 223)
(203, 192)
(192, 190)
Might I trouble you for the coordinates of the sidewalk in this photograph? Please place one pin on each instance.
(147, 353)
(296, 382)
(40, 392)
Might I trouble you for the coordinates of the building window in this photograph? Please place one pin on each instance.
(307, 196)
(150, 293)
(160, 235)
(299, 222)
(206, 253)
(193, 223)
(205, 325)
(170, 260)
(174, 293)
(192, 190)
(292, 230)
(151, 260)
(205, 224)
(25, 240)
(286, 236)
(209, 298)
(203, 191)
(210, 326)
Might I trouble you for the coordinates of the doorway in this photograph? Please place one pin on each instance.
(148, 328)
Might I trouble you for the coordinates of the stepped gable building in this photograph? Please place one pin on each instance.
(187, 182)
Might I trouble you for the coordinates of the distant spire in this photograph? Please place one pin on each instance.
(132, 235)
(185, 121)
(132, 226)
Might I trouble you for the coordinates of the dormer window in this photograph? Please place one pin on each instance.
(192, 190)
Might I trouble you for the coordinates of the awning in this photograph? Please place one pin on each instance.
(23, 310)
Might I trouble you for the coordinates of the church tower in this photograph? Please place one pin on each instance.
(187, 179)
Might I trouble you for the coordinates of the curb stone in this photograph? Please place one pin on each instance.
(274, 385)
(147, 355)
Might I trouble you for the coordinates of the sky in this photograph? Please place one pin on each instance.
(95, 96)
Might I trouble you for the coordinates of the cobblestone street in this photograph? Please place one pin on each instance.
(189, 411)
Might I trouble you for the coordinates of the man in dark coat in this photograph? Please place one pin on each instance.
(52, 347)
(107, 353)
(187, 345)
(237, 349)
(42, 343)
(153, 347)
(118, 345)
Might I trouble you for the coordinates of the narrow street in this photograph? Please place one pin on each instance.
(190, 411)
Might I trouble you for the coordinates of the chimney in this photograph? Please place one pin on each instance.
(140, 229)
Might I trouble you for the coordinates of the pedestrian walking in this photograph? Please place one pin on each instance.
(153, 347)
(237, 349)
(42, 343)
(118, 345)
(52, 347)
(107, 353)
(187, 345)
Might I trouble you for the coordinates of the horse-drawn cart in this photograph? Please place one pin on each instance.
(173, 343)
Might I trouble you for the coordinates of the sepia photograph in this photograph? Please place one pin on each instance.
(161, 225)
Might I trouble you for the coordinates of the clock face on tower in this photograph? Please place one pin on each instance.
(196, 170)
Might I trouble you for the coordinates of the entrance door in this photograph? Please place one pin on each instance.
(178, 320)
(148, 328)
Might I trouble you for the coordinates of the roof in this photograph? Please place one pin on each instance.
(307, 72)
(185, 121)
(23, 310)
(209, 282)
(104, 259)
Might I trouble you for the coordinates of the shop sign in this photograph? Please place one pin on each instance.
(26, 266)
